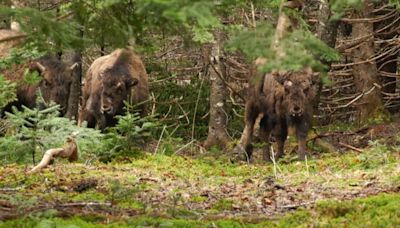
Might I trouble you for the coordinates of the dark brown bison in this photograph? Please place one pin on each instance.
(111, 80)
(54, 86)
(281, 100)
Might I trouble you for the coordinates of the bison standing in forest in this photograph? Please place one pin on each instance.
(54, 85)
(283, 100)
(111, 80)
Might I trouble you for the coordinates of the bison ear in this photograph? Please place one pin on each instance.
(73, 66)
(280, 77)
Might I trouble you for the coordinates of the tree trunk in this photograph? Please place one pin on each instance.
(327, 32)
(285, 24)
(217, 127)
(326, 28)
(365, 71)
(75, 90)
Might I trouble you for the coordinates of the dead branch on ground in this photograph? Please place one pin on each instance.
(70, 151)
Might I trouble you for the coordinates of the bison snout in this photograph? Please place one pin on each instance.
(106, 109)
(296, 111)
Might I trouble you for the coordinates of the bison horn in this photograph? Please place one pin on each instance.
(40, 67)
(75, 65)
(288, 84)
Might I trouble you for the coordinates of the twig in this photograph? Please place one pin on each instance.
(195, 107)
(273, 161)
(84, 204)
(308, 171)
(10, 189)
(253, 15)
(351, 147)
(183, 147)
(295, 206)
(159, 140)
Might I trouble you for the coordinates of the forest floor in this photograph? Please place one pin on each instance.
(358, 186)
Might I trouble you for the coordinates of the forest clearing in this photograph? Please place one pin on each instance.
(186, 191)
(199, 113)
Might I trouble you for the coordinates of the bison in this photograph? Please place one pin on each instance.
(54, 85)
(111, 80)
(281, 100)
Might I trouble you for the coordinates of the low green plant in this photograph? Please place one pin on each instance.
(127, 136)
(7, 92)
(377, 155)
(30, 132)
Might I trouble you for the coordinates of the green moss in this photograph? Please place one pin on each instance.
(377, 211)
(199, 199)
(223, 204)
(90, 195)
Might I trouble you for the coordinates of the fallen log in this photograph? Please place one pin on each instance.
(70, 151)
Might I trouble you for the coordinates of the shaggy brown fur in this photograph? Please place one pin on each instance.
(110, 81)
(54, 86)
(283, 100)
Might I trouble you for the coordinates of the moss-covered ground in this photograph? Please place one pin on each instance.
(349, 189)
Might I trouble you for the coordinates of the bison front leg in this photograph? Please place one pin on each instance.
(301, 134)
(281, 133)
(101, 122)
(86, 115)
(244, 148)
(265, 133)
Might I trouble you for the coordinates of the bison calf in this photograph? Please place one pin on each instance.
(111, 80)
(55, 83)
(283, 100)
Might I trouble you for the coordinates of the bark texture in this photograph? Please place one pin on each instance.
(217, 133)
(75, 89)
(327, 32)
(326, 29)
(364, 70)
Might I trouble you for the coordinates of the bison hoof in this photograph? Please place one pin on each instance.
(239, 154)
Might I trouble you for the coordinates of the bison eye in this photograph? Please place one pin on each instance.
(46, 83)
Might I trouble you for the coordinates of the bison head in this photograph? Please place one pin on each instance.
(300, 91)
(56, 80)
(117, 85)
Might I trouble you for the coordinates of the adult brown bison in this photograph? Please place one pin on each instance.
(283, 100)
(54, 86)
(111, 80)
